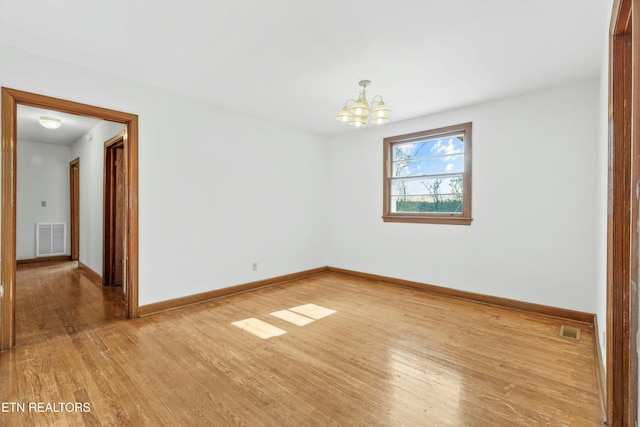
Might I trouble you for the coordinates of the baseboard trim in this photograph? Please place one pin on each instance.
(157, 307)
(577, 316)
(91, 274)
(562, 313)
(57, 258)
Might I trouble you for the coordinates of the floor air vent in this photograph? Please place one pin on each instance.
(570, 332)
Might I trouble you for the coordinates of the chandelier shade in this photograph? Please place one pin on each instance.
(360, 108)
(344, 115)
(360, 112)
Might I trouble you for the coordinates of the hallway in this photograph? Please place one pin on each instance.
(54, 299)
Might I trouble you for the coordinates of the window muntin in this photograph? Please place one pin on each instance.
(428, 176)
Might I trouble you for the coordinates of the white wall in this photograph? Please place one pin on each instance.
(602, 193)
(42, 175)
(91, 155)
(533, 237)
(218, 190)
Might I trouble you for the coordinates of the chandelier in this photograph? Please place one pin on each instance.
(358, 112)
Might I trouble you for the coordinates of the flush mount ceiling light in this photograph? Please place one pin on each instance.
(358, 112)
(50, 122)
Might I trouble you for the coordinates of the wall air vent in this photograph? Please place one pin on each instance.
(51, 239)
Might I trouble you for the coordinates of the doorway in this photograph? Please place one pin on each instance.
(10, 99)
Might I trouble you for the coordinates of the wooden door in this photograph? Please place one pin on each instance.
(74, 212)
(118, 207)
(115, 211)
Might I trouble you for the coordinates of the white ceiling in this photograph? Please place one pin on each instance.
(296, 62)
(73, 127)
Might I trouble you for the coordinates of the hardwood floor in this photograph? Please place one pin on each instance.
(54, 299)
(368, 354)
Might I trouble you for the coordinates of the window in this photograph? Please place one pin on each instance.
(427, 176)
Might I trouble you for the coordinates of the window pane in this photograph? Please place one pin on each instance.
(429, 166)
(416, 186)
(448, 203)
(427, 194)
(429, 148)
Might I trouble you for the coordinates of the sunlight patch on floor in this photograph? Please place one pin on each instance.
(259, 328)
(301, 315)
(291, 317)
(313, 311)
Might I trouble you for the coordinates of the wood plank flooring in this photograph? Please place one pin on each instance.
(387, 356)
(55, 299)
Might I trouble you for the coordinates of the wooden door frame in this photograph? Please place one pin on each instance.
(107, 252)
(74, 208)
(623, 213)
(10, 100)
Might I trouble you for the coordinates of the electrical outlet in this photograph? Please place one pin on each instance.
(254, 266)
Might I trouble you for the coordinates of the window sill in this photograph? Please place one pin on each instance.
(424, 219)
